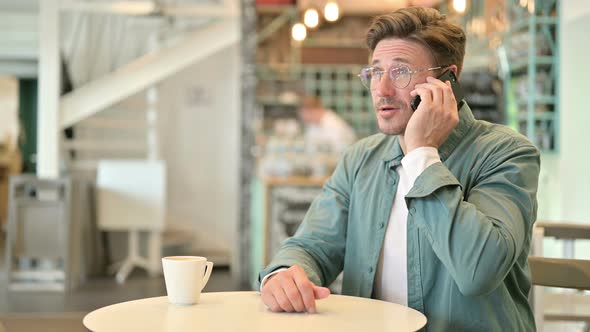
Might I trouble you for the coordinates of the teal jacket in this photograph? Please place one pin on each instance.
(469, 227)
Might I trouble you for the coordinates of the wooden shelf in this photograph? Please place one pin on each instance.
(521, 66)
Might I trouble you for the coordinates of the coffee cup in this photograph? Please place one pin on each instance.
(185, 278)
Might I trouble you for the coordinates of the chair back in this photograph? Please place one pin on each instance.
(131, 195)
(560, 272)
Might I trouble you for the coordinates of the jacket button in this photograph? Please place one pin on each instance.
(370, 269)
(412, 210)
(381, 225)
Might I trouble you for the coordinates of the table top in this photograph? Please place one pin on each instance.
(244, 311)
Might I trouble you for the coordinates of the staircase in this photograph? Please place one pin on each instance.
(114, 111)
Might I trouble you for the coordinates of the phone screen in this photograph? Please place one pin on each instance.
(450, 76)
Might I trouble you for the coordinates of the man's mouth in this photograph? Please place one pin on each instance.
(388, 108)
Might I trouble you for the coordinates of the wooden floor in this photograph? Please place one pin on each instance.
(51, 311)
(69, 322)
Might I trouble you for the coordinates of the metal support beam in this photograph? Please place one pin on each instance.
(146, 71)
(286, 16)
(241, 261)
(49, 83)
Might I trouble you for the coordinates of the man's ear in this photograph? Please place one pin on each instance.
(454, 68)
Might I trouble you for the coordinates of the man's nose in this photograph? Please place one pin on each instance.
(384, 87)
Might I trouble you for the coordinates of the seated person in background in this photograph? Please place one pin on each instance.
(324, 128)
(436, 212)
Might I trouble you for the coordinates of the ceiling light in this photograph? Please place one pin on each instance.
(133, 8)
(331, 12)
(311, 18)
(299, 32)
(459, 5)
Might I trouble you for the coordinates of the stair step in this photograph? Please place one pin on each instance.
(106, 123)
(92, 145)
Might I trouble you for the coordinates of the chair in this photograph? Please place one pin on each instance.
(568, 273)
(131, 197)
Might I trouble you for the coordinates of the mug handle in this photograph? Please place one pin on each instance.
(208, 268)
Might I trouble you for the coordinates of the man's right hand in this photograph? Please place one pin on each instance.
(292, 291)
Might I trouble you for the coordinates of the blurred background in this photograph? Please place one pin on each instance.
(132, 130)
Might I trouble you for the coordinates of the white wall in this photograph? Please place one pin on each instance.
(200, 125)
(564, 190)
(575, 116)
(574, 108)
(565, 183)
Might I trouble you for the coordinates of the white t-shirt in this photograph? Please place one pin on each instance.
(391, 278)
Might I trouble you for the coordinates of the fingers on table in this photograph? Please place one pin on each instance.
(290, 291)
(274, 295)
(306, 291)
(283, 299)
(295, 297)
(269, 299)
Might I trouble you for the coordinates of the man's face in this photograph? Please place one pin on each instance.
(392, 104)
(310, 115)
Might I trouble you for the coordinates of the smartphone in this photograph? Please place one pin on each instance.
(450, 76)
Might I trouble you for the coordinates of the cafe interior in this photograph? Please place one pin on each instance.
(135, 130)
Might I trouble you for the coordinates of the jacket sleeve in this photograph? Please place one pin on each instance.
(318, 245)
(479, 235)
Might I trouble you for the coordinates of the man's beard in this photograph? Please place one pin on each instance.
(390, 101)
(397, 124)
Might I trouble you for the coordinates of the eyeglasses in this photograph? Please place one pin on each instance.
(400, 75)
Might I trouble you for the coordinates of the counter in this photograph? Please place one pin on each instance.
(278, 206)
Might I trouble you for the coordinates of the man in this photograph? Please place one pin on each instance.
(435, 213)
(324, 128)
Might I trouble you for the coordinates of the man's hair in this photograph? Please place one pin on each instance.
(311, 102)
(427, 26)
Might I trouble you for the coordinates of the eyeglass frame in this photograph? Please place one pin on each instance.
(410, 72)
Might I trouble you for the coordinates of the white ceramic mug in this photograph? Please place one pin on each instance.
(185, 277)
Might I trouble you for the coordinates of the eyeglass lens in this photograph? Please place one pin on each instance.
(399, 76)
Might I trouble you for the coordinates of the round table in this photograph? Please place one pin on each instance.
(244, 311)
